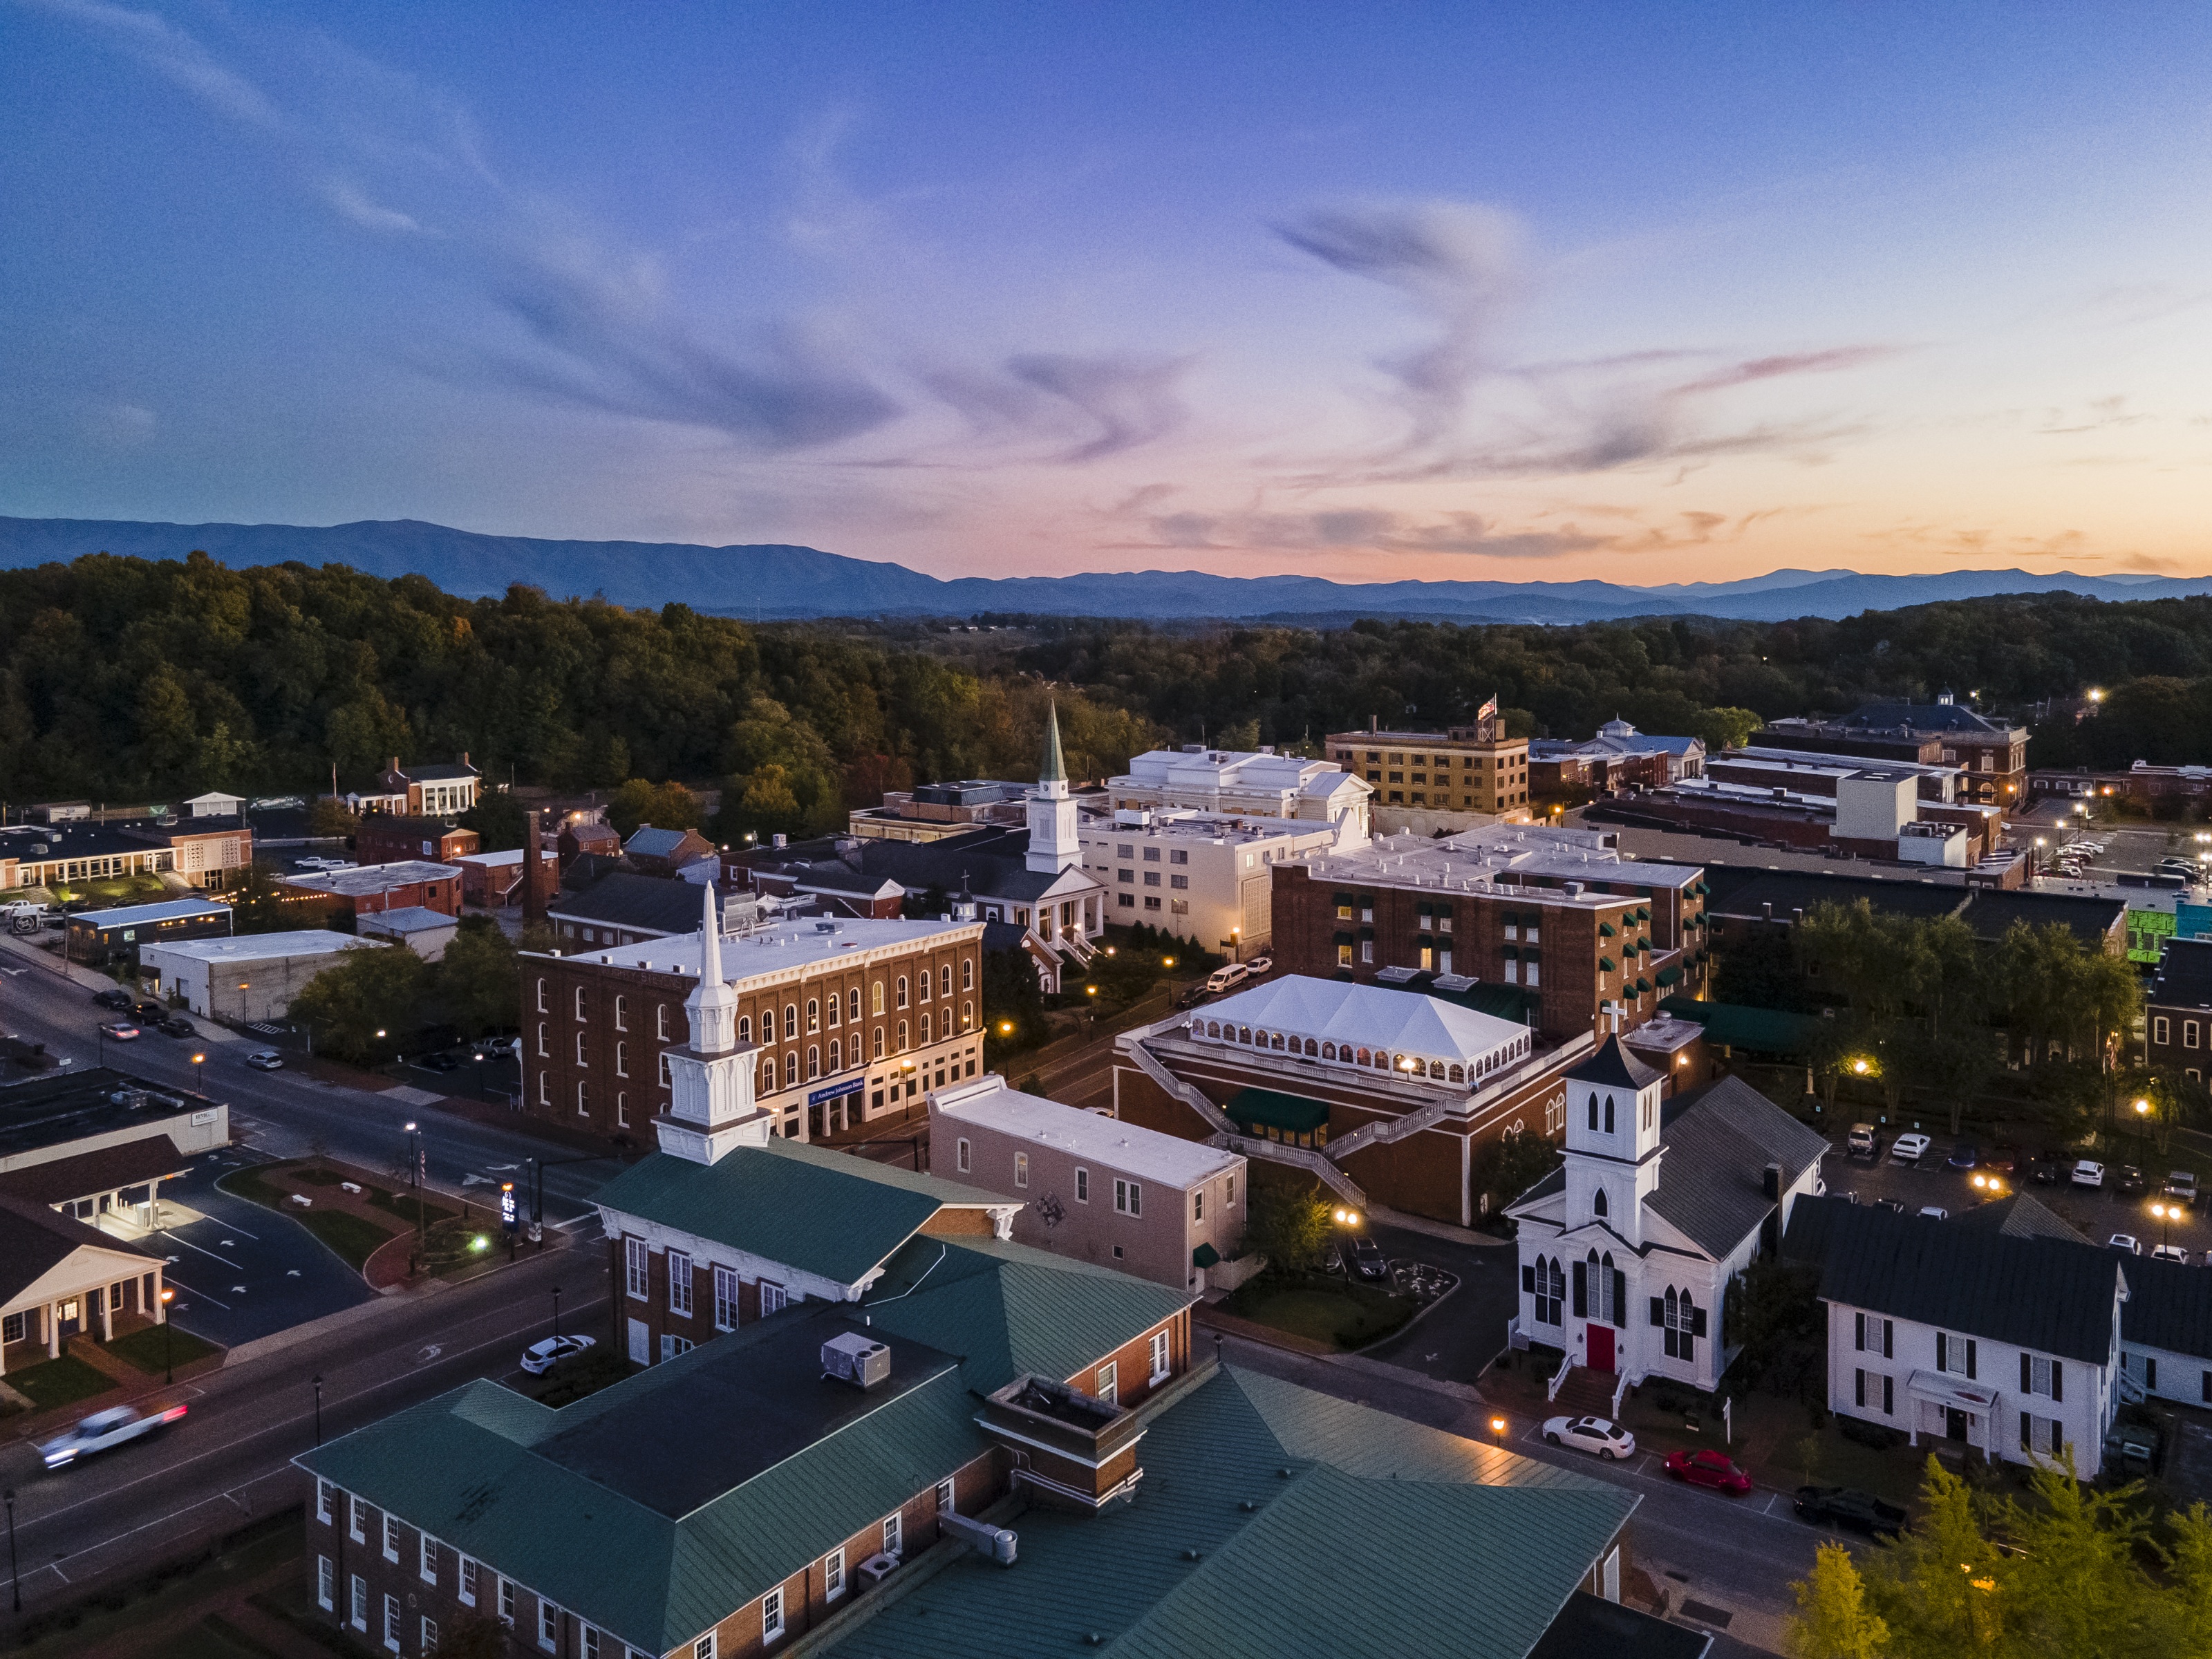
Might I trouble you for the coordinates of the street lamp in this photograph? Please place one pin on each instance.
(415, 1182)
(14, 1575)
(1497, 1430)
(2168, 1214)
(168, 1356)
(318, 1380)
(557, 1313)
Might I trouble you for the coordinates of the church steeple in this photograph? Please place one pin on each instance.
(1052, 776)
(712, 1005)
(710, 1081)
(1054, 843)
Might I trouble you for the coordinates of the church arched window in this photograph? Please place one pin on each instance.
(1597, 1204)
(1608, 1115)
(1593, 1109)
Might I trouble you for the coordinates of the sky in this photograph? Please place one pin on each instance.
(1646, 293)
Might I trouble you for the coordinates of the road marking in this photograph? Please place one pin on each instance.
(188, 1245)
(190, 1291)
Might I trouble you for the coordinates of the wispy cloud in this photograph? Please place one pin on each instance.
(176, 57)
(1377, 530)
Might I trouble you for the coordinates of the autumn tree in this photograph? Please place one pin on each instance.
(1833, 1620)
(376, 987)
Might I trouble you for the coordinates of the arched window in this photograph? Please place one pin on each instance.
(583, 1101)
(541, 996)
(1459, 1074)
(1608, 1115)
(661, 1021)
(904, 1043)
(622, 1013)
(1593, 1109)
(1244, 1034)
(852, 1005)
(1382, 1061)
(944, 981)
(790, 1020)
(1597, 1204)
(925, 1032)
(1328, 1051)
(744, 1028)
(580, 1002)
(1436, 1070)
(542, 1048)
(837, 1055)
(1362, 1058)
(1276, 1042)
(837, 1003)
(622, 1059)
(813, 1060)
(1551, 1283)
(1213, 1028)
(580, 1059)
(813, 1016)
(767, 1083)
(967, 973)
(901, 990)
(879, 996)
(967, 1015)
(1608, 1287)
(880, 1043)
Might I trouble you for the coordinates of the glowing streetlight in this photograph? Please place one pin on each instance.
(1859, 1066)
(1006, 1028)
(2142, 1108)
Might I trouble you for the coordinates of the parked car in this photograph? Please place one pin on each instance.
(2004, 1158)
(438, 1063)
(266, 1060)
(2047, 1168)
(2130, 1182)
(2088, 1173)
(1842, 1506)
(2127, 1241)
(119, 1000)
(1909, 1149)
(1259, 965)
(149, 1014)
(1864, 1142)
(1223, 977)
(1707, 1468)
(502, 1046)
(103, 1432)
(121, 1029)
(541, 1357)
(1364, 1258)
(2171, 1253)
(177, 1025)
(1934, 1212)
(2182, 1184)
(1591, 1434)
(1964, 1156)
(1193, 997)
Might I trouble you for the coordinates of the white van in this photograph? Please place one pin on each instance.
(1222, 978)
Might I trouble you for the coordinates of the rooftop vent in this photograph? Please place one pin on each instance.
(852, 1357)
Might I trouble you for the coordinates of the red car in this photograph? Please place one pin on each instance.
(1708, 1468)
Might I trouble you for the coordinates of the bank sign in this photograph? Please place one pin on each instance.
(852, 1085)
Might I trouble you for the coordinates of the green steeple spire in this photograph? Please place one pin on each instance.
(1055, 770)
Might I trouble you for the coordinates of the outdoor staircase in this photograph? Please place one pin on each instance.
(1578, 1391)
(1148, 1063)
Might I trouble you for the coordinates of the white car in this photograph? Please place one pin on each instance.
(1934, 1212)
(1222, 978)
(266, 1060)
(103, 1432)
(1259, 965)
(2127, 1241)
(1910, 1149)
(2171, 1253)
(541, 1357)
(1591, 1434)
(2088, 1173)
(501, 1045)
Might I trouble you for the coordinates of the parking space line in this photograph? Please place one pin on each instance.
(188, 1245)
(171, 1278)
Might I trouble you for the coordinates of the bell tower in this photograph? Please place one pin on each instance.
(1054, 843)
(1613, 1140)
(710, 1103)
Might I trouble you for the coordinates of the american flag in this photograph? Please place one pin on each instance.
(1486, 710)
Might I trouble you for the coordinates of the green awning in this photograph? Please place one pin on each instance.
(1512, 953)
(1643, 987)
(1669, 975)
(1204, 1256)
(1605, 930)
(1605, 965)
(1265, 1109)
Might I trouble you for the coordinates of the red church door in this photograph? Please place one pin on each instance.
(1601, 1347)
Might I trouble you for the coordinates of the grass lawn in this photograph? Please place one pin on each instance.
(153, 1606)
(144, 1349)
(253, 1185)
(1349, 1316)
(59, 1382)
(403, 1206)
(450, 1244)
(352, 1236)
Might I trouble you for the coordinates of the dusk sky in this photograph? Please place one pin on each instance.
(1651, 294)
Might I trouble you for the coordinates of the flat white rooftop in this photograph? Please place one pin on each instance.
(410, 919)
(780, 947)
(1125, 1148)
(265, 947)
(139, 916)
(373, 877)
(1494, 858)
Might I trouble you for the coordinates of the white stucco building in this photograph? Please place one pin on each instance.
(1201, 875)
(1627, 1249)
(1258, 783)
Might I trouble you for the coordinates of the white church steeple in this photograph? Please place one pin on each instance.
(1053, 842)
(710, 1104)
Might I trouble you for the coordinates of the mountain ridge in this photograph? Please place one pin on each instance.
(778, 581)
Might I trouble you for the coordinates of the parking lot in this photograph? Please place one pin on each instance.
(2097, 1214)
(244, 1272)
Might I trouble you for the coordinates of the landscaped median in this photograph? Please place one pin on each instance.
(371, 1227)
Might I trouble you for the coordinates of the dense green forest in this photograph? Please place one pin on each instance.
(130, 679)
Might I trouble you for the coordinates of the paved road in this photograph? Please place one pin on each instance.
(229, 1459)
(1462, 1334)
(286, 1114)
(1737, 1555)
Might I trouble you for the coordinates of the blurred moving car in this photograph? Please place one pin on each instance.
(1964, 1156)
(2127, 1241)
(266, 1060)
(121, 1029)
(103, 1432)
(1708, 1467)
(1845, 1506)
(1591, 1434)
(2130, 1182)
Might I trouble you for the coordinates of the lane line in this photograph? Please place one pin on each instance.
(171, 1278)
(188, 1245)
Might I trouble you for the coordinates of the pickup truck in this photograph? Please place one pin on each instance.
(104, 1431)
(1841, 1506)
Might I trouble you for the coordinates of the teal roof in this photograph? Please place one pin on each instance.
(830, 1214)
(655, 1536)
(1275, 1109)
(1368, 1535)
(1005, 1309)
(1738, 1025)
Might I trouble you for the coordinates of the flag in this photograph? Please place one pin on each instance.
(1486, 710)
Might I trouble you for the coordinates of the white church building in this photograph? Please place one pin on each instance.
(1628, 1248)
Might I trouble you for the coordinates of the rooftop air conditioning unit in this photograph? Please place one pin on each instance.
(854, 1358)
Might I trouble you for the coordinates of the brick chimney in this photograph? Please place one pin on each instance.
(535, 887)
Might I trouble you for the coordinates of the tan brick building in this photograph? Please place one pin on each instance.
(1468, 769)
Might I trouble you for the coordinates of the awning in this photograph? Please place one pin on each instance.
(1669, 975)
(1204, 1256)
(1956, 1392)
(1605, 930)
(1605, 965)
(1643, 987)
(1265, 1109)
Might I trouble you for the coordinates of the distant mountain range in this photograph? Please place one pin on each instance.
(775, 582)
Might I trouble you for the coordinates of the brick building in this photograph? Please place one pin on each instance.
(1582, 938)
(843, 1021)
(1991, 755)
(385, 887)
(2178, 1012)
(1466, 770)
(388, 838)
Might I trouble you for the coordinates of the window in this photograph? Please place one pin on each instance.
(1021, 1169)
(468, 1582)
(622, 1013)
(790, 1019)
(1128, 1198)
(1159, 1356)
(661, 1021)
(1081, 1186)
(813, 1016)
(583, 1100)
(1108, 1386)
(322, 1500)
(880, 1043)
(357, 1590)
(580, 1002)
(772, 1614)
(922, 987)
(541, 996)
(2045, 1377)
(905, 1042)
(621, 1109)
(878, 997)
(426, 1559)
(672, 1345)
(327, 1582)
(353, 1520)
(967, 974)
(1198, 1204)
(2161, 1030)
(1955, 1354)
(772, 1298)
(833, 1575)
(813, 1060)
(946, 1498)
(725, 1298)
(634, 1258)
(1597, 1204)
(960, 1155)
(622, 1059)
(893, 1533)
(944, 981)
(543, 1052)
(901, 991)
(549, 1624)
(582, 1058)
(679, 1284)
(2189, 1034)
(704, 1647)
(507, 1601)
(1229, 1194)
(1875, 1336)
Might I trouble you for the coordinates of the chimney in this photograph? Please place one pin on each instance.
(1766, 910)
(1374, 722)
(1772, 1183)
(534, 895)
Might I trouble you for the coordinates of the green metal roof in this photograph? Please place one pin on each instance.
(481, 1469)
(832, 1213)
(1761, 1030)
(1343, 1497)
(1004, 1308)
(1275, 1110)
